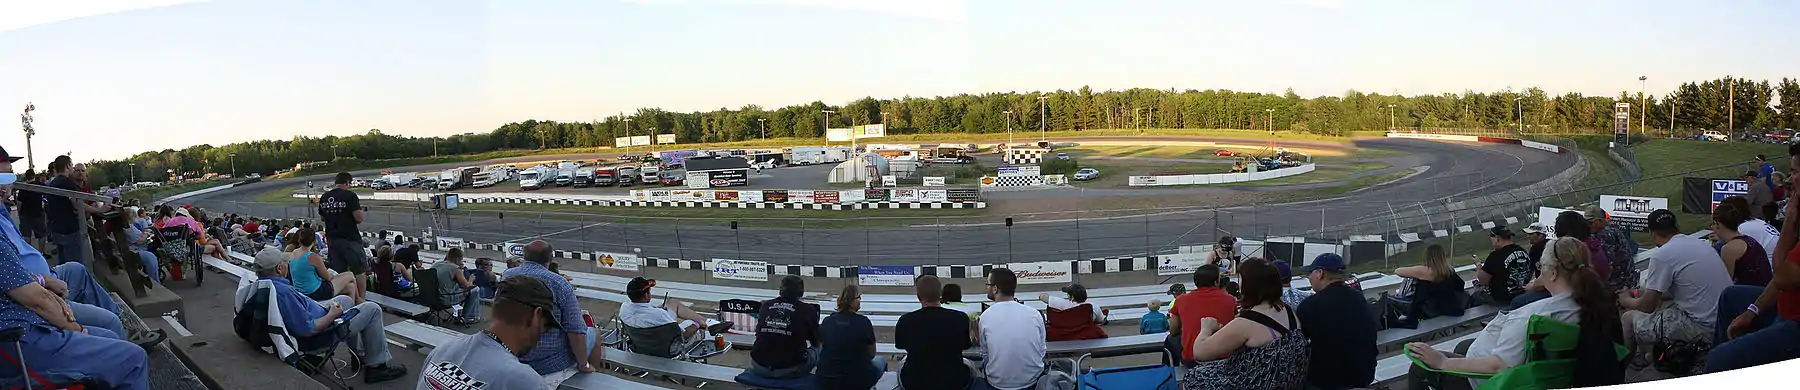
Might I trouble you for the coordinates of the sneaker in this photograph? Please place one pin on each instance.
(148, 339)
(719, 328)
(383, 373)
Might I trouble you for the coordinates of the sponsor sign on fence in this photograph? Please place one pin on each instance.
(755, 271)
(1547, 219)
(697, 180)
(658, 195)
(617, 261)
(515, 250)
(700, 195)
(1141, 181)
(725, 196)
(1022, 170)
(1632, 212)
(989, 181)
(800, 196)
(727, 178)
(825, 197)
(850, 196)
(875, 195)
(963, 195)
(751, 196)
(905, 195)
(1180, 264)
(1722, 189)
(933, 196)
(934, 181)
(449, 242)
(884, 275)
(1043, 272)
(1056, 180)
(889, 181)
(775, 196)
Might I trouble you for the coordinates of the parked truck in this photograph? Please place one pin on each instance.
(605, 177)
(650, 174)
(806, 155)
(584, 178)
(531, 179)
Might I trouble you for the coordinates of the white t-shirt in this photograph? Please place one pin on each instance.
(1763, 233)
(1013, 335)
(644, 315)
(1505, 336)
(1689, 273)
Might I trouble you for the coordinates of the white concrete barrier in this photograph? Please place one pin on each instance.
(1217, 178)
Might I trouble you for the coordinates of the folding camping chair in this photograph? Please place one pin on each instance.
(1549, 359)
(443, 306)
(741, 313)
(32, 380)
(314, 355)
(178, 245)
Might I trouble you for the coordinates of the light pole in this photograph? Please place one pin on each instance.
(1644, 115)
(1521, 109)
(334, 152)
(1671, 103)
(1009, 139)
(1270, 122)
(1390, 118)
(765, 127)
(25, 119)
(131, 172)
(828, 130)
(627, 136)
(1043, 119)
(233, 158)
(434, 151)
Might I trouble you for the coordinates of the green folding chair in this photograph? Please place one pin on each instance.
(1549, 359)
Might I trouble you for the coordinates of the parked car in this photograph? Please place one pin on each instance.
(952, 160)
(671, 178)
(1062, 156)
(1087, 174)
(1224, 153)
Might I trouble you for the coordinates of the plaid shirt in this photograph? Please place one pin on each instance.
(1621, 257)
(552, 351)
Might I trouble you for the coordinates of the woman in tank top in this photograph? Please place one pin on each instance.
(1745, 259)
(308, 272)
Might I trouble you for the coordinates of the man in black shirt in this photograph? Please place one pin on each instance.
(1535, 235)
(31, 211)
(1507, 269)
(787, 334)
(345, 250)
(64, 214)
(1342, 330)
(934, 338)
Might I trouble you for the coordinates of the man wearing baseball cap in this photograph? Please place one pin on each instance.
(1337, 320)
(1289, 295)
(1680, 298)
(1534, 235)
(1621, 251)
(639, 313)
(522, 311)
(1507, 269)
(304, 316)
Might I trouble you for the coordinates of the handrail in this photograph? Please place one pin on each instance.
(47, 190)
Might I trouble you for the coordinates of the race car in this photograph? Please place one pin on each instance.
(1224, 153)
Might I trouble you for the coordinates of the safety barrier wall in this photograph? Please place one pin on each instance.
(1217, 178)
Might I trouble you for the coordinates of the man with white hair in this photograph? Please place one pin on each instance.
(304, 316)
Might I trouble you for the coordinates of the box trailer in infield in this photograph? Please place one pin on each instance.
(806, 155)
(719, 171)
(531, 179)
(676, 158)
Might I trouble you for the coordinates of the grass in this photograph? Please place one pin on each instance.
(1187, 152)
(1682, 158)
(745, 217)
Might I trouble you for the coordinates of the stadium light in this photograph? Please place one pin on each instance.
(1644, 114)
(25, 120)
(1009, 138)
(1043, 119)
(1521, 109)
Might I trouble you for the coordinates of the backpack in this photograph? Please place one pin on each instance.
(252, 319)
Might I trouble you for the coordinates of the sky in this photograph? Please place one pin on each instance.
(111, 78)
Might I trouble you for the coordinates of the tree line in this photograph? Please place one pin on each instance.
(1692, 106)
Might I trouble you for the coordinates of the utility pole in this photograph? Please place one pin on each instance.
(334, 152)
(434, 151)
(1521, 109)
(1390, 117)
(1043, 119)
(25, 119)
(1009, 138)
(765, 127)
(1730, 107)
(1644, 115)
(627, 136)
(828, 130)
(131, 172)
(1270, 120)
(233, 158)
(1671, 103)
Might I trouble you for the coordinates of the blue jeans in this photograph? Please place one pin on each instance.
(804, 368)
(150, 268)
(62, 356)
(1732, 303)
(1778, 342)
(484, 292)
(83, 288)
(471, 306)
(368, 335)
(1527, 298)
(90, 316)
(68, 247)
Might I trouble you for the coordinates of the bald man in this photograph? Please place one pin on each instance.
(562, 352)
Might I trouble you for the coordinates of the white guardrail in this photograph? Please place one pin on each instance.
(426, 196)
(208, 190)
(1217, 178)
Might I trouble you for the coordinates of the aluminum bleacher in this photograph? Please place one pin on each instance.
(236, 268)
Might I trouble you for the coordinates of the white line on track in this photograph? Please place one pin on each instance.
(558, 232)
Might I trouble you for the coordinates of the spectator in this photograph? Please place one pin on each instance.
(51, 338)
(1506, 271)
(1534, 235)
(484, 278)
(1575, 225)
(934, 338)
(1206, 300)
(1431, 289)
(1681, 291)
(1742, 255)
(396, 270)
(1621, 251)
(1224, 255)
(562, 352)
(953, 299)
(1265, 350)
(558, 272)
(1577, 295)
(490, 359)
(1758, 229)
(1154, 321)
(452, 282)
(342, 211)
(306, 317)
(1763, 331)
(847, 357)
(1764, 173)
(309, 274)
(1761, 198)
(639, 313)
(1013, 336)
(1289, 295)
(1175, 292)
(31, 211)
(137, 240)
(1072, 318)
(1337, 322)
(63, 215)
(183, 217)
(787, 334)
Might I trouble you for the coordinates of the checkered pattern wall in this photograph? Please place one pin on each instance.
(1024, 156)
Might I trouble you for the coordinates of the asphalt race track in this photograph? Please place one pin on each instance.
(1455, 170)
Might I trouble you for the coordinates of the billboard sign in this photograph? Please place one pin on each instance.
(838, 135)
(1631, 212)
(934, 181)
(1043, 272)
(616, 261)
(869, 131)
(665, 139)
(884, 275)
(1547, 219)
(754, 271)
(697, 180)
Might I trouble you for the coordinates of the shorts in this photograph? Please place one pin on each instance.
(1668, 323)
(324, 293)
(347, 255)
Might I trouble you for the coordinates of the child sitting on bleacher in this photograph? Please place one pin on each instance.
(1154, 321)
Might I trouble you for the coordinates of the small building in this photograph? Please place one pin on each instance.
(862, 168)
(718, 171)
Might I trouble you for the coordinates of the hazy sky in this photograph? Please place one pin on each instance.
(168, 76)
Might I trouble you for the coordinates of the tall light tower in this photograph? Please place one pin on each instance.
(25, 119)
(131, 172)
(1043, 119)
(1390, 117)
(1644, 115)
(334, 152)
(828, 130)
(1009, 139)
(233, 158)
(1270, 120)
(627, 136)
(765, 127)
(1521, 109)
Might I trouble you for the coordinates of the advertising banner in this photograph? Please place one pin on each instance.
(1056, 180)
(617, 261)
(725, 196)
(904, 195)
(444, 243)
(1009, 171)
(869, 131)
(889, 181)
(665, 139)
(1043, 272)
(697, 180)
(837, 135)
(755, 271)
(934, 181)
(727, 178)
(934, 196)
(1722, 189)
(825, 197)
(1631, 212)
(681, 195)
(989, 181)
(642, 140)
(752, 196)
(800, 196)
(884, 275)
(875, 195)
(963, 195)
(1547, 219)
(775, 196)
(657, 195)
(515, 250)
(700, 195)
(1141, 181)
(639, 195)
(1180, 264)
(850, 196)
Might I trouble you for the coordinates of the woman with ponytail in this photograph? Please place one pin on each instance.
(1577, 295)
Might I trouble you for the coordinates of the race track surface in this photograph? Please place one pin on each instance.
(1455, 170)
